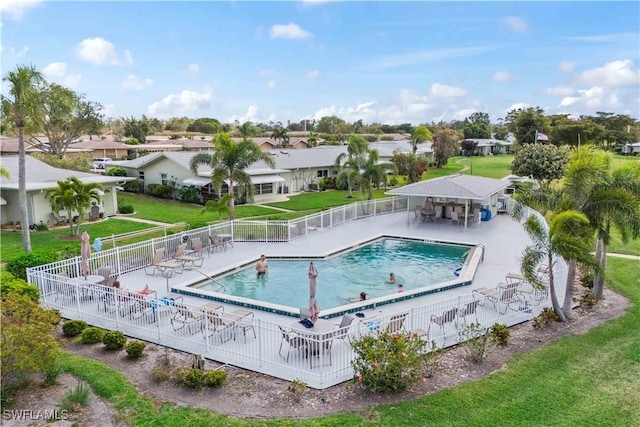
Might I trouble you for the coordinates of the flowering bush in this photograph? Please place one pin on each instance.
(389, 361)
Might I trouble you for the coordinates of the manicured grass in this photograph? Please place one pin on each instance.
(56, 239)
(172, 211)
(632, 247)
(490, 166)
(587, 380)
(450, 168)
(323, 199)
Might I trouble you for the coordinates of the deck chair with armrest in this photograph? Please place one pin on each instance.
(526, 289)
(469, 309)
(166, 268)
(185, 318)
(188, 261)
(197, 247)
(504, 294)
(396, 323)
(292, 339)
(143, 307)
(448, 316)
(217, 243)
(342, 330)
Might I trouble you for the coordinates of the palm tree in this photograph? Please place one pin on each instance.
(312, 140)
(280, 134)
(229, 161)
(23, 110)
(219, 206)
(374, 172)
(419, 135)
(567, 236)
(357, 147)
(73, 195)
(609, 198)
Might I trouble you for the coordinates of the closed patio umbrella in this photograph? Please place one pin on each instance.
(314, 310)
(85, 253)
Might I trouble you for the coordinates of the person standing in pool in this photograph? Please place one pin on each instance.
(392, 278)
(262, 266)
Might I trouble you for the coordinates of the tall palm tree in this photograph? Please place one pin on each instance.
(356, 148)
(73, 195)
(219, 206)
(312, 140)
(23, 110)
(609, 198)
(568, 236)
(280, 134)
(373, 172)
(229, 161)
(419, 135)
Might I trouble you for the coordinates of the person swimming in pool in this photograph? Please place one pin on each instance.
(361, 297)
(262, 266)
(392, 278)
(400, 285)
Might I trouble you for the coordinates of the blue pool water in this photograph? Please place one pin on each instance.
(345, 275)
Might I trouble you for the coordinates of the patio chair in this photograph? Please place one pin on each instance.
(188, 261)
(186, 318)
(342, 330)
(58, 219)
(470, 309)
(197, 247)
(396, 323)
(438, 213)
(418, 217)
(448, 316)
(217, 243)
(143, 307)
(455, 218)
(104, 272)
(166, 268)
(292, 339)
(500, 294)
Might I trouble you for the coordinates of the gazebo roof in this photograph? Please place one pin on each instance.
(453, 186)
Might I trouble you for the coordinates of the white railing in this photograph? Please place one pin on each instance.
(258, 344)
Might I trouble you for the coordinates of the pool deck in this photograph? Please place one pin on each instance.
(504, 240)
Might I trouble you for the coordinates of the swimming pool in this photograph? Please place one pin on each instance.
(415, 264)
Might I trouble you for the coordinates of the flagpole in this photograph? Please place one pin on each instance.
(536, 140)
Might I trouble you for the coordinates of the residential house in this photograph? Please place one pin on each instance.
(489, 147)
(632, 149)
(40, 177)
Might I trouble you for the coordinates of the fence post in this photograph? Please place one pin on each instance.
(259, 343)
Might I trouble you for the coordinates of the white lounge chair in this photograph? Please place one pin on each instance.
(165, 267)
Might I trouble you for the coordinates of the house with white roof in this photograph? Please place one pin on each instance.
(40, 177)
(631, 149)
(490, 146)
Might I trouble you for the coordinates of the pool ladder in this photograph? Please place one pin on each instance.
(211, 278)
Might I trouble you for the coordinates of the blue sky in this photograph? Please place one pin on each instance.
(387, 62)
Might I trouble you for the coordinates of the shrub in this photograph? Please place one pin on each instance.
(134, 186)
(215, 378)
(42, 226)
(298, 388)
(159, 190)
(53, 316)
(189, 194)
(192, 378)
(92, 335)
(388, 361)
(126, 209)
(474, 341)
(499, 334)
(197, 224)
(18, 267)
(71, 328)
(76, 397)
(132, 141)
(134, 349)
(588, 299)
(546, 317)
(114, 340)
(159, 374)
(587, 279)
(116, 171)
(10, 283)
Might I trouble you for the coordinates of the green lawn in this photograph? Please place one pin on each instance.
(172, 211)
(451, 167)
(323, 199)
(56, 239)
(490, 166)
(590, 379)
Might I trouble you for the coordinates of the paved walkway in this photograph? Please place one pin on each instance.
(147, 221)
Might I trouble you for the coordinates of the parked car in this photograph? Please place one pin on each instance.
(99, 163)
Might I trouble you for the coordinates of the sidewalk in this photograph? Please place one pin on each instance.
(147, 221)
(634, 257)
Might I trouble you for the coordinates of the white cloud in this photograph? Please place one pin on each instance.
(132, 82)
(18, 52)
(515, 23)
(430, 56)
(15, 9)
(181, 104)
(271, 83)
(464, 113)
(313, 74)
(55, 70)
(250, 116)
(567, 66)
(440, 90)
(592, 99)
(193, 68)
(99, 51)
(560, 91)
(288, 31)
(614, 74)
(517, 106)
(503, 76)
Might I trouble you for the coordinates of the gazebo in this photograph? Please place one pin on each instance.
(467, 190)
